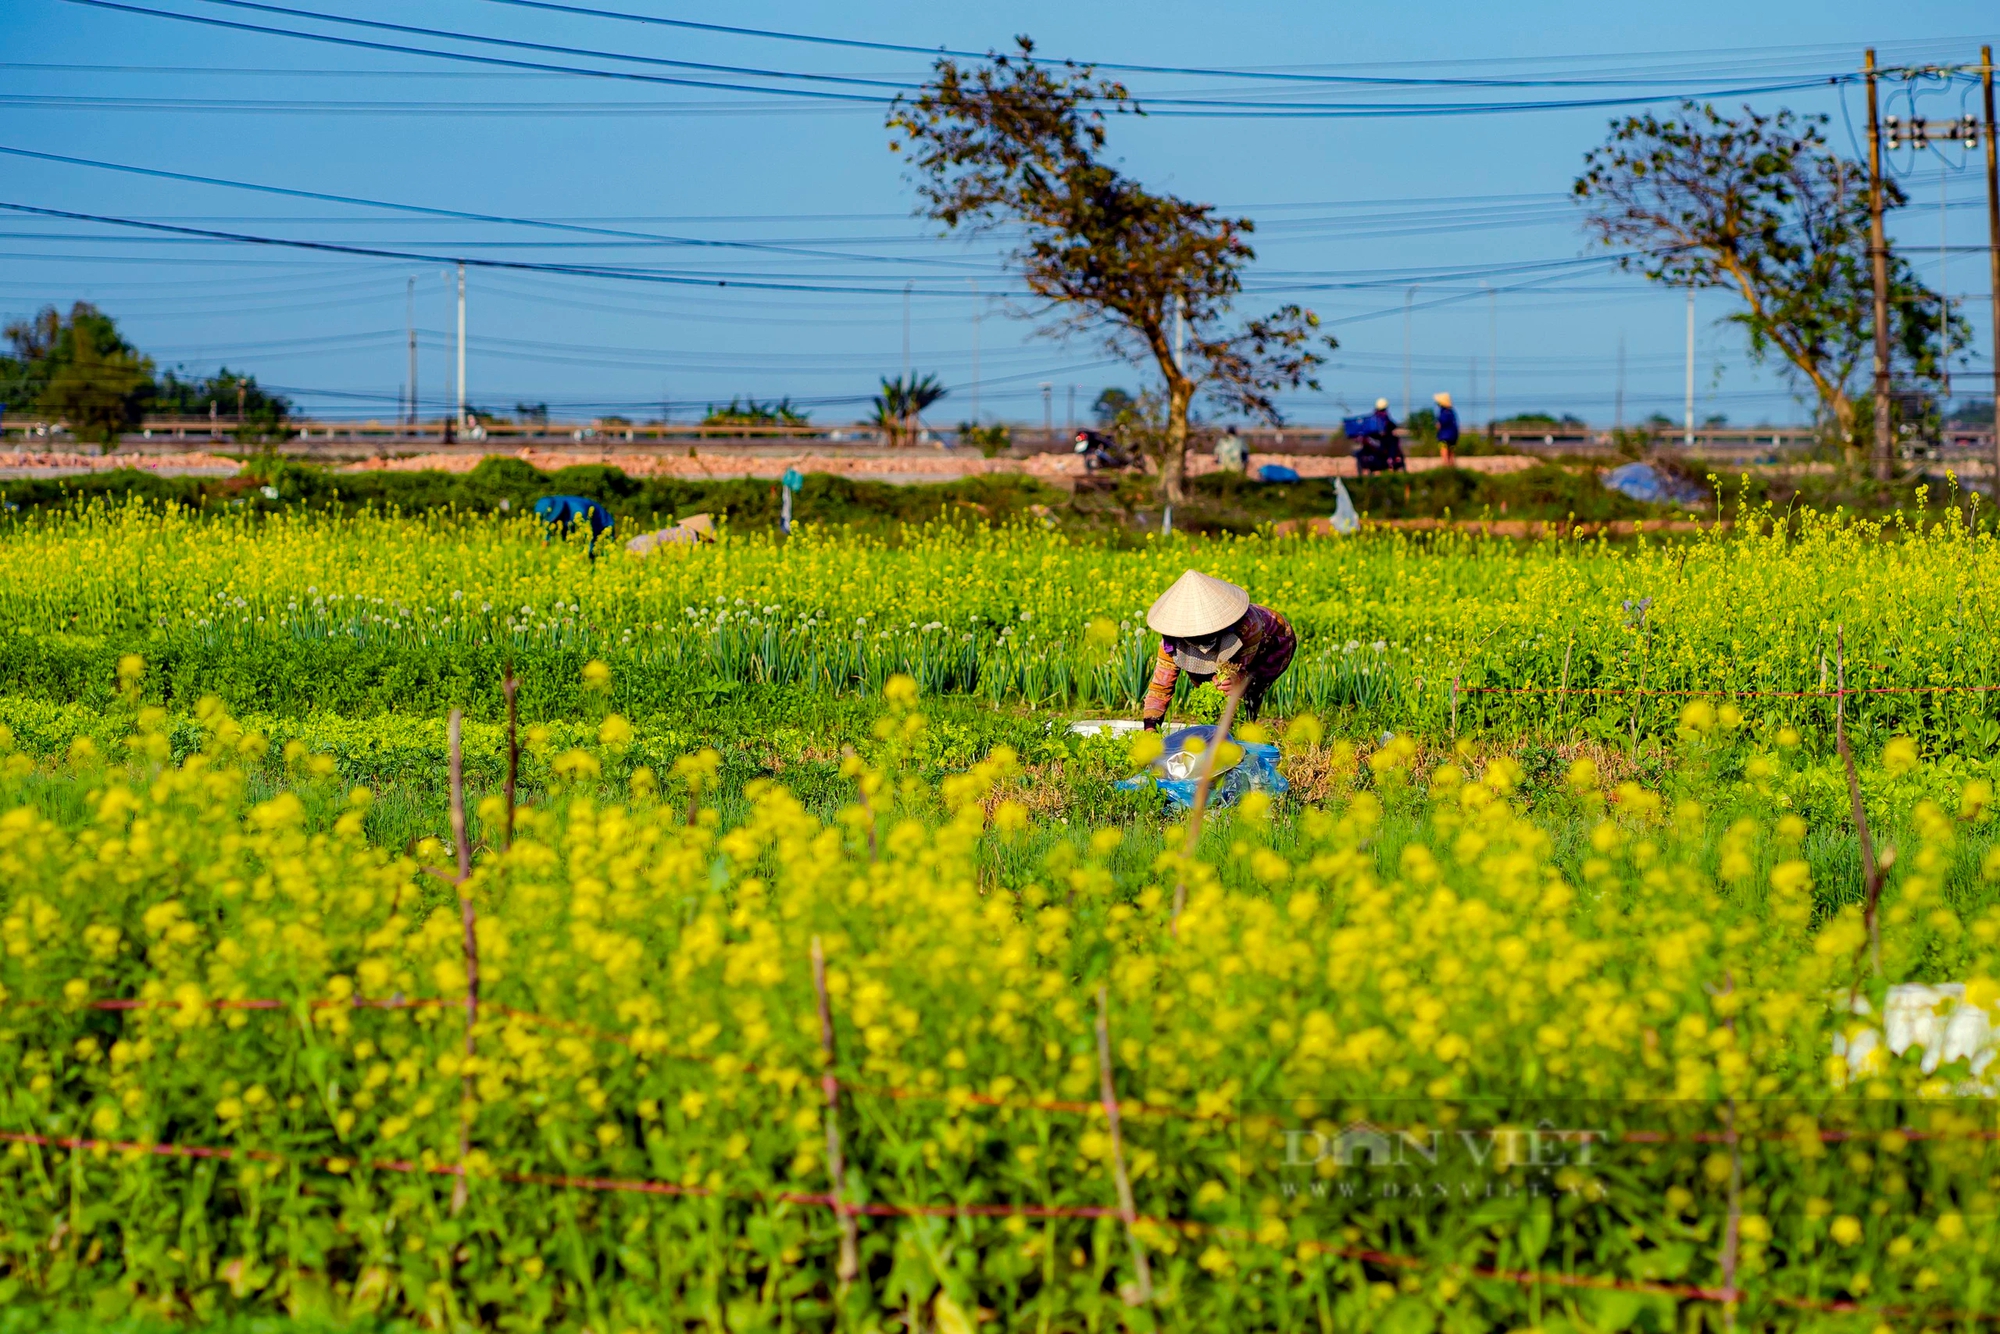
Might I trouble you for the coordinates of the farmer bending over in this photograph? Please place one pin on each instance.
(1210, 630)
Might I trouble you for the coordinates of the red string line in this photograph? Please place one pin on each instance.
(1736, 694)
(1191, 1227)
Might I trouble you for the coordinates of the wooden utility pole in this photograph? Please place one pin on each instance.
(1878, 258)
(1992, 238)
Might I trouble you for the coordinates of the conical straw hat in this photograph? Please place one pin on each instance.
(1198, 604)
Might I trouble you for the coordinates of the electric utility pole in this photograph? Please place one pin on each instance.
(1878, 257)
(1180, 334)
(1493, 367)
(461, 344)
(410, 318)
(1688, 439)
(1409, 299)
(975, 349)
(1966, 129)
(1992, 239)
(1618, 404)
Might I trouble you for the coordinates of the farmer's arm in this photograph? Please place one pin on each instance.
(1160, 690)
(1260, 629)
(1253, 631)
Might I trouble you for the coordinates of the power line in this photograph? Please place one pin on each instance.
(1167, 107)
(630, 76)
(474, 110)
(1267, 75)
(447, 34)
(1759, 58)
(429, 211)
(1324, 280)
(378, 252)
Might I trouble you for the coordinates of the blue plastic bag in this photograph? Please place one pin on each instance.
(1257, 771)
(1276, 472)
(1655, 486)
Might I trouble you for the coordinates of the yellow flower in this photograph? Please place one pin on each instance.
(1304, 731)
(1698, 717)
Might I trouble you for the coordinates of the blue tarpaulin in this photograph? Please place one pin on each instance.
(565, 512)
(1276, 472)
(1653, 486)
(1178, 771)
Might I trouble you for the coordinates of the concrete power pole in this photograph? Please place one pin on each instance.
(1180, 334)
(1966, 129)
(410, 318)
(1409, 299)
(1688, 439)
(461, 344)
(1618, 404)
(1493, 365)
(1992, 238)
(1878, 255)
(975, 349)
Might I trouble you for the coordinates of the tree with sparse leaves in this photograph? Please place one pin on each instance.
(1762, 206)
(229, 395)
(1017, 145)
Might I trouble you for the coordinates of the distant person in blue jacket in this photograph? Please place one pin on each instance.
(564, 513)
(1379, 450)
(1447, 427)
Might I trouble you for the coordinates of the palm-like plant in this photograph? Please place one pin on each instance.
(899, 407)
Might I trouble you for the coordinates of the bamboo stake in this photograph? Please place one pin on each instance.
(1562, 691)
(511, 687)
(1732, 1228)
(1142, 1289)
(457, 772)
(1200, 808)
(1645, 661)
(471, 948)
(836, 1166)
(1871, 874)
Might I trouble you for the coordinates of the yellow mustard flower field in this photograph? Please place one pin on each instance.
(788, 964)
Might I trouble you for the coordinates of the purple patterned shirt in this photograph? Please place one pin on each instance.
(1268, 643)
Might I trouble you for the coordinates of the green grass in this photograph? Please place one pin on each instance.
(40, 1319)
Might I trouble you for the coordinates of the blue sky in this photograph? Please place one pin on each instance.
(1353, 212)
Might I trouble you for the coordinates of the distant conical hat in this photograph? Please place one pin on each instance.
(1198, 604)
